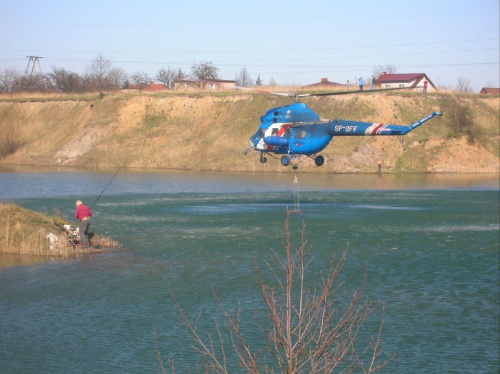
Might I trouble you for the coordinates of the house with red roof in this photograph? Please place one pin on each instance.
(325, 83)
(414, 81)
(490, 91)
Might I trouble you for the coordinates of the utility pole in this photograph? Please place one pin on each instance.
(33, 60)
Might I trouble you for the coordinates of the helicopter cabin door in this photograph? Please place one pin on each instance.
(300, 139)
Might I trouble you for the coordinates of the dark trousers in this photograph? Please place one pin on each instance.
(83, 226)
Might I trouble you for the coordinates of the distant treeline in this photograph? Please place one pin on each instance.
(101, 76)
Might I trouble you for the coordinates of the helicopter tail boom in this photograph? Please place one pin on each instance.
(353, 128)
(414, 125)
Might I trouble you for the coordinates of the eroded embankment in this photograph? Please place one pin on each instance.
(203, 131)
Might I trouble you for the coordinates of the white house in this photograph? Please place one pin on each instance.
(413, 81)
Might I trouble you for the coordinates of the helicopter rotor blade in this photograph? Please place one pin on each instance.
(352, 92)
(296, 95)
(287, 94)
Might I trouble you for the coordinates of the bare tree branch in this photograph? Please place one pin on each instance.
(307, 328)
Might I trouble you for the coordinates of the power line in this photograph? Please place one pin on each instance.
(267, 50)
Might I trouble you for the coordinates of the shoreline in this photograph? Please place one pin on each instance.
(287, 171)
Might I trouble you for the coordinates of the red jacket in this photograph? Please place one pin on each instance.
(82, 211)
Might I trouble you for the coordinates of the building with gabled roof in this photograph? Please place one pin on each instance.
(413, 81)
(210, 84)
(325, 83)
(490, 91)
(152, 86)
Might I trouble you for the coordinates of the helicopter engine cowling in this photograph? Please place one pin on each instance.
(276, 141)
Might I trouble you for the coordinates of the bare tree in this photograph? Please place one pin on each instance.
(463, 85)
(117, 78)
(307, 329)
(167, 77)
(378, 70)
(243, 79)
(8, 80)
(98, 71)
(65, 81)
(32, 83)
(205, 70)
(140, 79)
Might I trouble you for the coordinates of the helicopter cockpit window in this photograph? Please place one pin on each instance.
(287, 133)
(299, 134)
(275, 132)
(260, 134)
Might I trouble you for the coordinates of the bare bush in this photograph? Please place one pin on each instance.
(8, 79)
(65, 81)
(463, 85)
(378, 70)
(10, 138)
(459, 115)
(306, 329)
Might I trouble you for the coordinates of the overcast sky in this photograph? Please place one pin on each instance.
(291, 42)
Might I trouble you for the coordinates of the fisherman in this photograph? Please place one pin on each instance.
(83, 214)
(379, 165)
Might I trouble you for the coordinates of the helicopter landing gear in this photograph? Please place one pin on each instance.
(285, 160)
(319, 160)
(263, 159)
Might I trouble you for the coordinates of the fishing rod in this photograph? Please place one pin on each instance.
(98, 197)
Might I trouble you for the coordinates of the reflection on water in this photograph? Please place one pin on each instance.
(27, 182)
(10, 260)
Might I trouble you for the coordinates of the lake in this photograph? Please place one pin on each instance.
(429, 243)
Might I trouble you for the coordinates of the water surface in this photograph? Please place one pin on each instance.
(430, 245)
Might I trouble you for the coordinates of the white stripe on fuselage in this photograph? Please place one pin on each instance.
(269, 132)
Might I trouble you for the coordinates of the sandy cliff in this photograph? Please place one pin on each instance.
(202, 131)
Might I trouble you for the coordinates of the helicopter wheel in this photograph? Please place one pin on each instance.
(263, 160)
(285, 160)
(319, 160)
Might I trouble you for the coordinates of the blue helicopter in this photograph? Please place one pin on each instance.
(294, 130)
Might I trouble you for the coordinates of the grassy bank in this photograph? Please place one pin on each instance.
(23, 231)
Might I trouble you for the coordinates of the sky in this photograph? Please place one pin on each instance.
(286, 41)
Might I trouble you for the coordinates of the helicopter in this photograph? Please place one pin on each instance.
(294, 131)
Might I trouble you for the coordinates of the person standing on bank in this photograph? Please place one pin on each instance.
(360, 83)
(83, 214)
